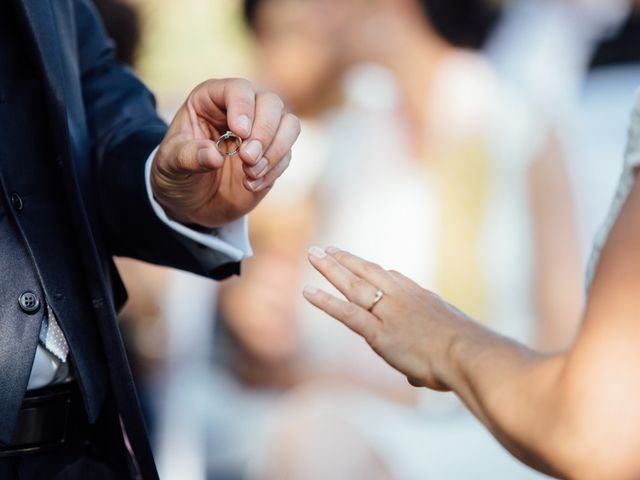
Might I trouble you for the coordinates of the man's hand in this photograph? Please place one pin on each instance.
(193, 182)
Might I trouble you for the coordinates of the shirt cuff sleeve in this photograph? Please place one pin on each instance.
(231, 239)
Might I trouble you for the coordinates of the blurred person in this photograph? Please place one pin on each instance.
(572, 414)
(424, 144)
(560, 38)
(544, 48)
(580, 72)
(89, 171)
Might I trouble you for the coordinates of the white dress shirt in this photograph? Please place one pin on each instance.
(232, 240)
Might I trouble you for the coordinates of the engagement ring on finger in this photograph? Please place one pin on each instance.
(376, 300)
(223, 144)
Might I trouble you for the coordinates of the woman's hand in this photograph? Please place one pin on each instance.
(193, 181)
(410, 327)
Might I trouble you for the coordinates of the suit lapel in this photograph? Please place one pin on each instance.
(41, 25)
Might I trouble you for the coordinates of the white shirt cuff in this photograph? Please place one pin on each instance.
(231, 239)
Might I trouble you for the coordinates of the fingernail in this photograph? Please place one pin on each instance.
(245, 124)
(256, 184)
(202, 157)
(254, 149)
(332, 250)
(309, 290)
(317, 252)
(260, 168)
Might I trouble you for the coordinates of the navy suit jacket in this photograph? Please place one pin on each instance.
(105, 126)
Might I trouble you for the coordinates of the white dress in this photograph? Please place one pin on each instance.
(632, 161)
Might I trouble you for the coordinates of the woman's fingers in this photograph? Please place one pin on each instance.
(369, 271)
(353, 316)
(356, 289)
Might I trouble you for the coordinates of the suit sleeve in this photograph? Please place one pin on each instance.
(124, 129)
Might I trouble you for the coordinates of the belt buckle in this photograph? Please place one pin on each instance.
(42, 424)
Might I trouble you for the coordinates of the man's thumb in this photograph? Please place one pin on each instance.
(197, 156)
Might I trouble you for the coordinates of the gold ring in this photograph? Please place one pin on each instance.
(224, 138)
(376, 300)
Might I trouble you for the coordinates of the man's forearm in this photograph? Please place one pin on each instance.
(510, 388)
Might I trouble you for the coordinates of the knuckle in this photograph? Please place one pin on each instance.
(276, 153)
(284, 164)
(294, 121)
(183, 158)
(206, 84)
(350, 310)
(399, 277)
(279, 169)
(267, 128)
(239, 83)
(273, 100)
(374, 339)
(341, 256)
(355, 284)
(371, 268)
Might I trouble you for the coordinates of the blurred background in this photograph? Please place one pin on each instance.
(473, 145)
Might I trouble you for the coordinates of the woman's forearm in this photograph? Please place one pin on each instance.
(574, 415)
(510, 388)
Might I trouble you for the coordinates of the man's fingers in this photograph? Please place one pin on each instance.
(269, 179)
(240, 104)
(229, 103)
(369, 271)
(269, 110)
(196, 156)
(280, 147)
(353, 316)
(285, 137)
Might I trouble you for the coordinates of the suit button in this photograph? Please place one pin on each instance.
(17, 202)
(29, 302)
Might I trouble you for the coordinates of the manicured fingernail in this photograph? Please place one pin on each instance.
(202, 157)
(309, 290)
(317, 252)
(253, 149)
(260, 168)
(256, 184)
(245, 124)
(332, 250)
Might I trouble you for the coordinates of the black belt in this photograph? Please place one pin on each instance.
(49, 418)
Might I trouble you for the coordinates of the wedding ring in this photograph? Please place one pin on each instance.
(222, 141)
(376, 300)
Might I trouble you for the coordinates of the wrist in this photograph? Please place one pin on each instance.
(164, 191)
(462, 338)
